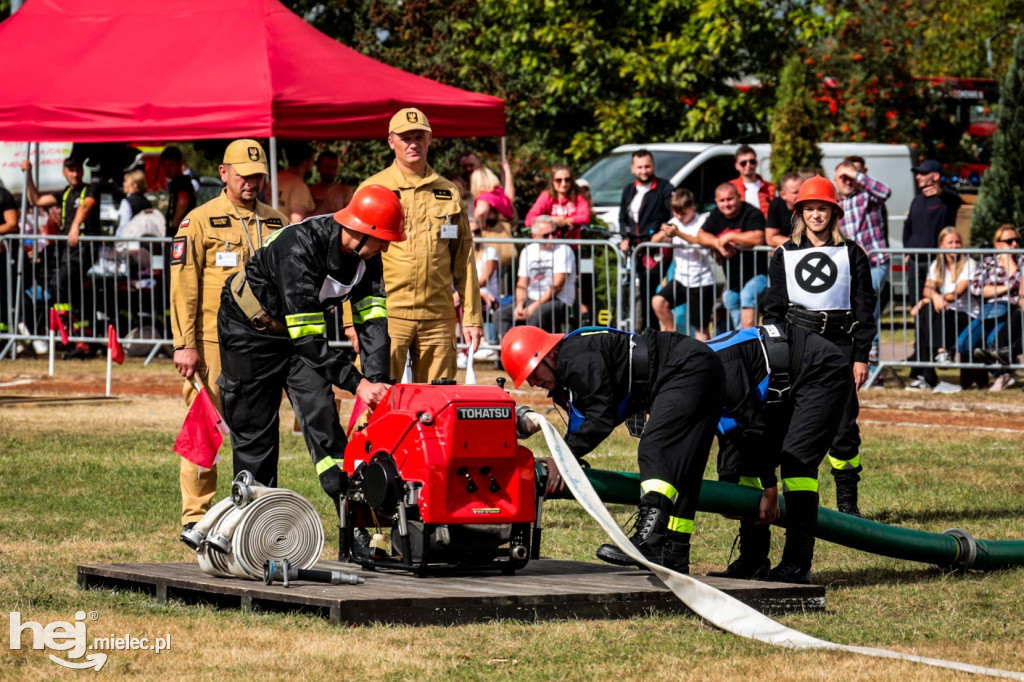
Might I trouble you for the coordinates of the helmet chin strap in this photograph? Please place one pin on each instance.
(362, 243)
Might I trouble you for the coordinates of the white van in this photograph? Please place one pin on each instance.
(701, 167)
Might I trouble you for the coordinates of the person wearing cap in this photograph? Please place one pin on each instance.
(604, 377)
(212, 243)
(930, 211)
(272, 328)
(422, 272)
(181, 193)
(820, 280)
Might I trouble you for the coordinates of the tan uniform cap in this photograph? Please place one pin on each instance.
(408, 119)
(247, 156)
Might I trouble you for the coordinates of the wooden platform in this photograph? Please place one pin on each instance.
(545, 589)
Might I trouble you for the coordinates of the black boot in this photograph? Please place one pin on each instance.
(798, 553)
(649, 537)
(676, 552)
(752, 563)
(846, 492)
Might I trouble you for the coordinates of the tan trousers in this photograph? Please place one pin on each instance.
(198, 486)
(430, 343)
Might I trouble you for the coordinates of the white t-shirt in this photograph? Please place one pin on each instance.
(634, 206)
(751, 193)
(540, 265)
(489, 254)
(965, 303)
(693, 263)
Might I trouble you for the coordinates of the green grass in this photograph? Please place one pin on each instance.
(98, 484)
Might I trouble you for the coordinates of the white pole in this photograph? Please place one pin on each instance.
(110, 366)
(53, 347)
(273, 171)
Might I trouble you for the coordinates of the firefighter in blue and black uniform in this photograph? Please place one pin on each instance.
(604, 377)
(820, 280)
(785, 391)
(271, 327)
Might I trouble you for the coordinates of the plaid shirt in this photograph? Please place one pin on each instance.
(993, 273)
(862, 217)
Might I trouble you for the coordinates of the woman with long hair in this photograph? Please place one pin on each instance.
(946, 307)
(821, 280)
(564, 202)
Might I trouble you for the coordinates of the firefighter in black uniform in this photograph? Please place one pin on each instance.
(821, 281)
(272, 332)
(603, 377)
(785, 391)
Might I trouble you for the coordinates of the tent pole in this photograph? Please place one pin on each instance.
(273, 171)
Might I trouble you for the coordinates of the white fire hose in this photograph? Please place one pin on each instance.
(239, 534)
(716, 607)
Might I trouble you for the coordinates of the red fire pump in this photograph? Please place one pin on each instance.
(439, 465)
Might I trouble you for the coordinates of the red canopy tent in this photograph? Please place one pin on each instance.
(110, 70)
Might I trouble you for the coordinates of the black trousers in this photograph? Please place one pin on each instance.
(256, 367)
(845, 451)
(937, 330)
(687, 402)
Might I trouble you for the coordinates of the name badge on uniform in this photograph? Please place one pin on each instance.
(227, 259)
(448, 230)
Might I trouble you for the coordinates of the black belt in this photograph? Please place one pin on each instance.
(822, 321)
(776, 347)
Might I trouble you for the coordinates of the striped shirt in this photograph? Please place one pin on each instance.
(862, 217)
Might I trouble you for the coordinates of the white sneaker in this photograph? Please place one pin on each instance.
(943, 358)
(873, 355)
(461, 361)
(918, 384)
(486, 354)
(40, 347)
(946, 387)
(1003, 381)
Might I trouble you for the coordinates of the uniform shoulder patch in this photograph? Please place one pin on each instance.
(179, 248)
(220, 221)
(184, 223)
(274, 222)
(443, 194)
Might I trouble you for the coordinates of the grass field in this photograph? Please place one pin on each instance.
(97, 483)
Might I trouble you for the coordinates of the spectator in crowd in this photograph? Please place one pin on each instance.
(863, 202)
(8, 225)
(546, 285)
(694, 282)
(437, 258)
(583, 185)
(753, 189)
(738, 227)
(930, 211)
(644, 208)
(329, 195)
(135, 201)
(181, 194)
(213, 242)
(491, 204)
(468, 163)
(563, 201)
(779, 222)
(946, 308)
(293, 196)
(998, 283)
(488, 265)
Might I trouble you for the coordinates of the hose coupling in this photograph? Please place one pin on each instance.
(968, 549)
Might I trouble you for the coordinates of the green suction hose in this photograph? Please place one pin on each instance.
(951, 549)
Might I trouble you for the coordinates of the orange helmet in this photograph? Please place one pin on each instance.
(374, 210)
(523, 348)
(819, 189)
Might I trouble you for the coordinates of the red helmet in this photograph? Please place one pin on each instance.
(374, 210)
(819, 189)
(523, 348)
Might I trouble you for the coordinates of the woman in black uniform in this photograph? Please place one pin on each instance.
(820, 280)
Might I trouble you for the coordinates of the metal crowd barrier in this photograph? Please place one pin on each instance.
(99, 282)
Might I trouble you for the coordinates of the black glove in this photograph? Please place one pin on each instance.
(334, 482)
(521, 427)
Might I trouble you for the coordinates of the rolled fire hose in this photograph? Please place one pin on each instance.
(238, 535)
(716, 607)
(953, 549)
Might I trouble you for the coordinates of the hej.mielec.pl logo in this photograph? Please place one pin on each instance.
(71, 637)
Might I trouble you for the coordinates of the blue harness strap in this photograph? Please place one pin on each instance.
(576, 418)
(726, 423)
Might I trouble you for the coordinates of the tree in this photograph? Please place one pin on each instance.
(1002, 195)
(794, 131)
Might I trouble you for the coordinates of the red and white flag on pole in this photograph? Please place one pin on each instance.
(116, 352)
(202, 433)
(57, 324)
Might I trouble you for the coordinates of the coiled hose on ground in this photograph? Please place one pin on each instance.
(952, 549)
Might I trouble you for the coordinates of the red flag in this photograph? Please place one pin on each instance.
(202, 433)
(116, 352)
(57, 324)
(357, 412)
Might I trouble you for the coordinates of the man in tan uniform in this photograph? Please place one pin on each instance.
(420, 272)
(293, 196)
(213, 242)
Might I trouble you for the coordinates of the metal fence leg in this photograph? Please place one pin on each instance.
(152, 354)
